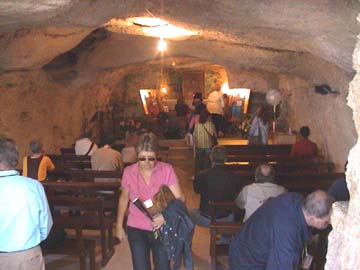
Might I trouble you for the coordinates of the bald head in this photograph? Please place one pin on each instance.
(264, 174)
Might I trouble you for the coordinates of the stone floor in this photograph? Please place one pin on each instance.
(182, 160)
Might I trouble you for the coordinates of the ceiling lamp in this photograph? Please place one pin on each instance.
(162, 45)
(157, 27)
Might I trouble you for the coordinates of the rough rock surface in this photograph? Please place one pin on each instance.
(336, 236)
(323, 28)
(350, 258)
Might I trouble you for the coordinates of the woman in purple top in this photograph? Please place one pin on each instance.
(142, 180)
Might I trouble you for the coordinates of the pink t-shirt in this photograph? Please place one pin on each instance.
(132, 180)
(194, 120)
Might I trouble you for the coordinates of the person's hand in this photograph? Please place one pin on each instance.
(158, 221)
(120, 233)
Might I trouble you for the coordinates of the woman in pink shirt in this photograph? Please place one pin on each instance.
(142, 180)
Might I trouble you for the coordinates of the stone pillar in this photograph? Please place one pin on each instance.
(336, 237)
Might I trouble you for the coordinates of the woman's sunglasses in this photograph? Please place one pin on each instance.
(148, 158)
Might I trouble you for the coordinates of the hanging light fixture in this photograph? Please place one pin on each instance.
(162, 45)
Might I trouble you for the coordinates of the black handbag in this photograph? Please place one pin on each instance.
(214, 140)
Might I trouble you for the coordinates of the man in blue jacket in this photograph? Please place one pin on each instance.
(274, 237)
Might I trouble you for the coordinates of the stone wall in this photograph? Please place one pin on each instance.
(350, 258)
(328, 117)
(32, 106)
(336, 236)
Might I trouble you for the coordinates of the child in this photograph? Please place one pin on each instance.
(177, 232)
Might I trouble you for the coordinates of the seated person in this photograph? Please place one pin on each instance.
(339, 190)
(37, 164)
(215, 184)
(254, 195)
(106, 159)
(85, 146)
(128, 153)
(169, 126)
(304, 147)
(181, 108)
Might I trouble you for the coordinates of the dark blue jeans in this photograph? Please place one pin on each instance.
(217, 119)
(202, 159)
(141, 242)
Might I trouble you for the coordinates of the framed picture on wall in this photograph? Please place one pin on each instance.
(150, 102)
(193, 82)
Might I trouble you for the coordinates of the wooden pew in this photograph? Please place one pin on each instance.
(75, 194)
(282, 167)
(270, 149)
(91, 175)
(269, 158)
(222, 228)
(67, 151)
(88, 189)
(80, 246)
(76, 162)
(71, 161)
(89, 212)
(303, 183)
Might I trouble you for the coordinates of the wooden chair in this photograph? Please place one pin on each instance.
(70, 212)
(222, 228)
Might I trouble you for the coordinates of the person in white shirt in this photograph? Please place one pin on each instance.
(85, 146)
(215, 106)
(254, 195)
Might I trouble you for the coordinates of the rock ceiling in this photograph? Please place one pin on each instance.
(273, 35)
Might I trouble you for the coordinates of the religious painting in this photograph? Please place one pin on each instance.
(150, 102)
(193, 82)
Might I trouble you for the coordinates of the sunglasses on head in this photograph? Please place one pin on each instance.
(148, 158)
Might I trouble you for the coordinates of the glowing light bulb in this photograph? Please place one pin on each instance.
(162, 45)
(164, 90)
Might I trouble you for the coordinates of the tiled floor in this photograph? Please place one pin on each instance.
(183, 163)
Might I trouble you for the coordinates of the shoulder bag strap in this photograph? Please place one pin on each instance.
(91, 147)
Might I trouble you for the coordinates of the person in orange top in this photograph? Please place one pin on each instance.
(304, 147)
(37, 164)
